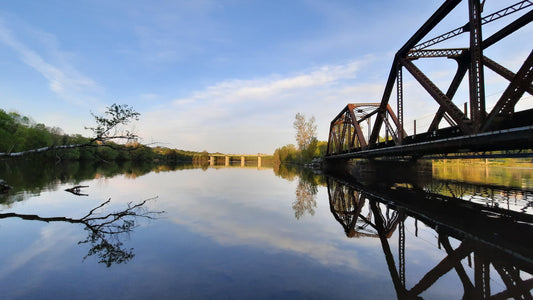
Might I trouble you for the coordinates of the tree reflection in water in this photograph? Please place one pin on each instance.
(492, 242)
(306, 190)
(104, 229)
(305, 199)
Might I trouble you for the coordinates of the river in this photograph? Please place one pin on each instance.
(263, 233)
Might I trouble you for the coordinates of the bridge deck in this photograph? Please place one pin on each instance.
(508, 139)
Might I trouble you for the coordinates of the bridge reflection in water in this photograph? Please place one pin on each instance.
(494, 236)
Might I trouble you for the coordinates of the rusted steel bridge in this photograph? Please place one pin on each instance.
(478, 131)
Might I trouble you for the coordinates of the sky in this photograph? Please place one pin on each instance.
(223, 75)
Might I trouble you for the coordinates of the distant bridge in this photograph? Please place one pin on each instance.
(478, 131)
(243, 158)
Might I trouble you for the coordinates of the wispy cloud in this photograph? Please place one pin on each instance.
(235, 91)
(227, 115)
(63, 78)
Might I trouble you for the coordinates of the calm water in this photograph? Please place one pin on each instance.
(249, 233)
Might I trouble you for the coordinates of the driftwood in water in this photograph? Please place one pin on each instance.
(76, 190)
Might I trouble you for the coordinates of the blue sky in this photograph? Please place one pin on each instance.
(224, 76)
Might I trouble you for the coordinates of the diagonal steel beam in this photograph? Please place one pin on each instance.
(440, 14)
(467, 284)
(440, 269)
(462, 67)
(513, 93)
(457, 115)
(379, 220)
(358, 130)
(507, 30)
(502, 71)
(492, 17)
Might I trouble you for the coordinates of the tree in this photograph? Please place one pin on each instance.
(305, 131)
(285, 154)
(110, 127)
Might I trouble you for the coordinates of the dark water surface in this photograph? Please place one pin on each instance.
(249, 233)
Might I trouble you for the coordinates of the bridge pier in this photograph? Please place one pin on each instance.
(230, 159)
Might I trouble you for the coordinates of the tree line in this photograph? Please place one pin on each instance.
(21, 135)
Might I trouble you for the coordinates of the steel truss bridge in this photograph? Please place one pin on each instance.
(478, 132)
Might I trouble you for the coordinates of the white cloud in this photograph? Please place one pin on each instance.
(234, 91)
(63, 78)
(248, 116)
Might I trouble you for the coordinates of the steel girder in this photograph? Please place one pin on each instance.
(518, 86)
(492, 17)
(346, 132)
(469, 59)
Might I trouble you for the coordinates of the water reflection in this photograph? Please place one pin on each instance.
(306, 190)
(32, 177)
(105, 230)
(485, 243)
(490, 195)
(236, 229)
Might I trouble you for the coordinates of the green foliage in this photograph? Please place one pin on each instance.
(19, 133)
(109, 125)
(287, 153)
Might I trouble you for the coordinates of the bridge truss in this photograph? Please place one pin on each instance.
(480, 130)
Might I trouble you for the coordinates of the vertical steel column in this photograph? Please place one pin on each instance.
(369, 128)
(401, 246)
(481, 276)
(477, 81)
(399, 103)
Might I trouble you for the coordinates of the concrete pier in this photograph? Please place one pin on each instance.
(216, 159)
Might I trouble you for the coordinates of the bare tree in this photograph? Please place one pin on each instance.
(305, 130)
